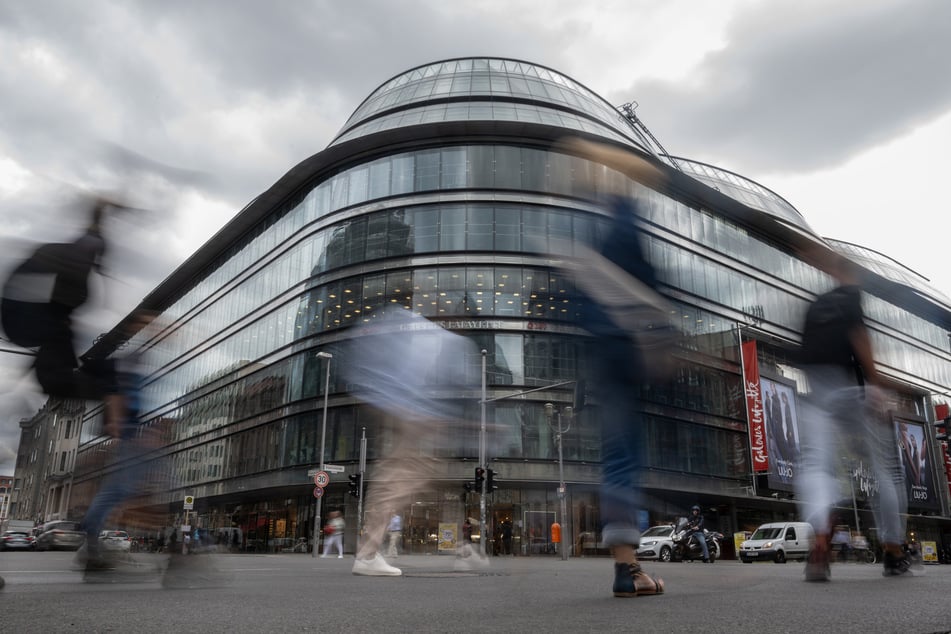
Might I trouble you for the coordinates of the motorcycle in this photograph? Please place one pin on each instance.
(686, 547)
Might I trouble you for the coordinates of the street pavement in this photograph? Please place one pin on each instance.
(297, 593)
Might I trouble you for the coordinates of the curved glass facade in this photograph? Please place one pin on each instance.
(470, 235)
(745, 191)
(492, 79)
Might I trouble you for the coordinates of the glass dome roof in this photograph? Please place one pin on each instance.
(888, 268)
(745, 191)
(494, 81)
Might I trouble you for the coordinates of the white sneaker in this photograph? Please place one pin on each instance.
(339, 556)
(375, 567)
(468, 559)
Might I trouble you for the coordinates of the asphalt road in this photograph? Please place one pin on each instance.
(297, 593)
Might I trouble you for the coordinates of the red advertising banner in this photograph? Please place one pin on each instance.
(754, 408)
(947, 462)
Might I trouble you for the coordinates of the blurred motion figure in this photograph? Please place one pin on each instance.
(39, 298)
(846, 404)
(624, 314)
(394, 362)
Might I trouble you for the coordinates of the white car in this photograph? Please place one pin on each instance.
(115, 540)
(656, 543)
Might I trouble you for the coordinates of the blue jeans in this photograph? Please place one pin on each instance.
(703, 544)
(617, 382)
(117, 487)
(836, 413)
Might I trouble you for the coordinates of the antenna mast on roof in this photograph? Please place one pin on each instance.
(627, 110)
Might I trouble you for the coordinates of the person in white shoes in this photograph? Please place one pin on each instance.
(334, 532)
(393, 365)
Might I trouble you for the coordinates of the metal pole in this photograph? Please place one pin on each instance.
(561, 494)
(482, 461)
(363, 468)
(551, 413)
(323, 441)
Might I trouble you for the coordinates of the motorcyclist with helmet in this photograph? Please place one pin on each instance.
(695, 531)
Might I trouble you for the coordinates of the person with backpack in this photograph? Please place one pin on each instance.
(846, 403)
(38, 300)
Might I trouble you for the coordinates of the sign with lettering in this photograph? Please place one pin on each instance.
(754, 408)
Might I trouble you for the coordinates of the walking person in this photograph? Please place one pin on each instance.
(123, 482)
(618, 285)
(333, 534)
(846, 404)
(393, 364)
(394, 533)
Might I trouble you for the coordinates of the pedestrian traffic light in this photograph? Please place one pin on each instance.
(578, 402)
(479, 478)
(490, 485)
(356, 484)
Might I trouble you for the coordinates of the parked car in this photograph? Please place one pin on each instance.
(60, 535)
(656, 543)
(778, 542)
(16, 540)
(115, 540)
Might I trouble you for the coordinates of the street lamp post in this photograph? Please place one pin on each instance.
(551, 413)
(323, 441)
(482, 458)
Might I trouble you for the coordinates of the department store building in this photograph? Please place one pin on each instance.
(446, 193)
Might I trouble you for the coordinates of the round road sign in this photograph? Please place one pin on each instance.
(318, 492)
(321, 479)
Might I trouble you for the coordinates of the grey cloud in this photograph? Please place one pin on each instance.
(802, 86)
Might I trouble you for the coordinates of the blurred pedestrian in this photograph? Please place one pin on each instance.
(845, 404)
(38, 302)
(622, 311)
(394, 533)
(393, 363)
(333, 534)
(123, 482)
(507, 537)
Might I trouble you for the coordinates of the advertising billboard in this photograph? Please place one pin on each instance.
(917, 466)
(782, 433)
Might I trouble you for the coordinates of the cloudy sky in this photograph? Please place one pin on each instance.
(843, 107)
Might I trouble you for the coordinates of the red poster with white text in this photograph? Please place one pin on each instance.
(754, 408)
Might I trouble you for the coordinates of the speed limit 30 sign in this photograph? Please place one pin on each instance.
(321, 479)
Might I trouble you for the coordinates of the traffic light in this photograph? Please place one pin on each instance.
(479, 478)
(578, 402)
(356, 484)
(490, 484)
(941, 428)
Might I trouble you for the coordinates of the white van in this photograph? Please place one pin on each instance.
(778, 541)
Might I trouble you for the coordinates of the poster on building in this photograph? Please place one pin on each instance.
(782, 433)
(754, 408)
(448, 532)
(916, 466)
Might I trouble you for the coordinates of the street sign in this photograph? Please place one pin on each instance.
(334, 468)
(318, 492)
(189, 502)
(321, 479)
